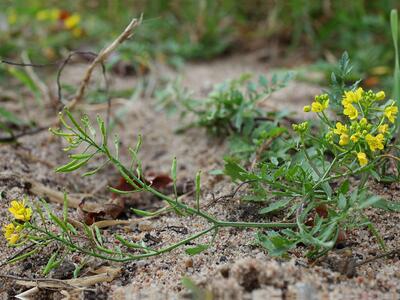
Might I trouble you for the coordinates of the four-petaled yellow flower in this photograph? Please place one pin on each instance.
(319, 106)
(350, 96)
(20, 211)
(341, 129)
(307, 108)
(362, 158)
(383, 128)
(350, 111)
(391, 112)
(344, 139)
(12, 233)
(375, 142)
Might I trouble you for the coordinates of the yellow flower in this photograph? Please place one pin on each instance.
(391, 112)
(363, 122)
(307, 108)
(350, 96)
(340, 129)
(12, 233)
(375, 142)
(362, 158)
(350, 111)
(319, 107)
(344, 139)
(354, 138)
(380, 95)
(72, 21)
(20, 211)
(383, 128)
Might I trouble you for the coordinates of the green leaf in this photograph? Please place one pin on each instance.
(196, 250)
(277, 205)
(98, 235)
(72, 165)
(198, 190)
(275, 244)
(51, 263)
(120, 192)
(143, 213)
(236, 172)
(342, 202)
(344, 187)
(65, 208)
(9, 117)
(370, 201)
(387, 205)
(27, 81)
(59, 222)
(216, 172)
(23, 256)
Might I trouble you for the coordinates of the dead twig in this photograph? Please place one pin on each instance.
(386, 254)
(103, 55)
(231, 195)
(14, 137)
(74, 283)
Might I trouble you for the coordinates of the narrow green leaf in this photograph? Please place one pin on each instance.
(196, 250)
(198, 190)
(173, 175)
(143, 213)
(51, 264)
(275, 206)
(59, 222)
(98, 235)
(65, 207)
(23, 256)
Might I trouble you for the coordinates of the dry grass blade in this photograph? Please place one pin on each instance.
(28, 294)
(82, 282)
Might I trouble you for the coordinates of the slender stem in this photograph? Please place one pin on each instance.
(309, 158)
(255, 225)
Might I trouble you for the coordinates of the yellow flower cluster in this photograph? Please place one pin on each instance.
(12, 233)
(21, 213)
(320, 104)
(70, 21)
(367, 124)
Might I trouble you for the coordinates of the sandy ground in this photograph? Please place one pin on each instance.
(233, 268)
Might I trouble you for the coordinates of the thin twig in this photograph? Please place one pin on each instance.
(389, 253)
(103, 55)
(230, 195)
(65, 63)
(14, 137)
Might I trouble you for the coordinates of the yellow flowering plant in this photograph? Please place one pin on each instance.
(365, 129)
(13, 232)
(352, 142)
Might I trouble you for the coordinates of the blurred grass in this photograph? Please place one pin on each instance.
(177, 30)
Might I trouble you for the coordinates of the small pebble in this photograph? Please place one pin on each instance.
(189, 263)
